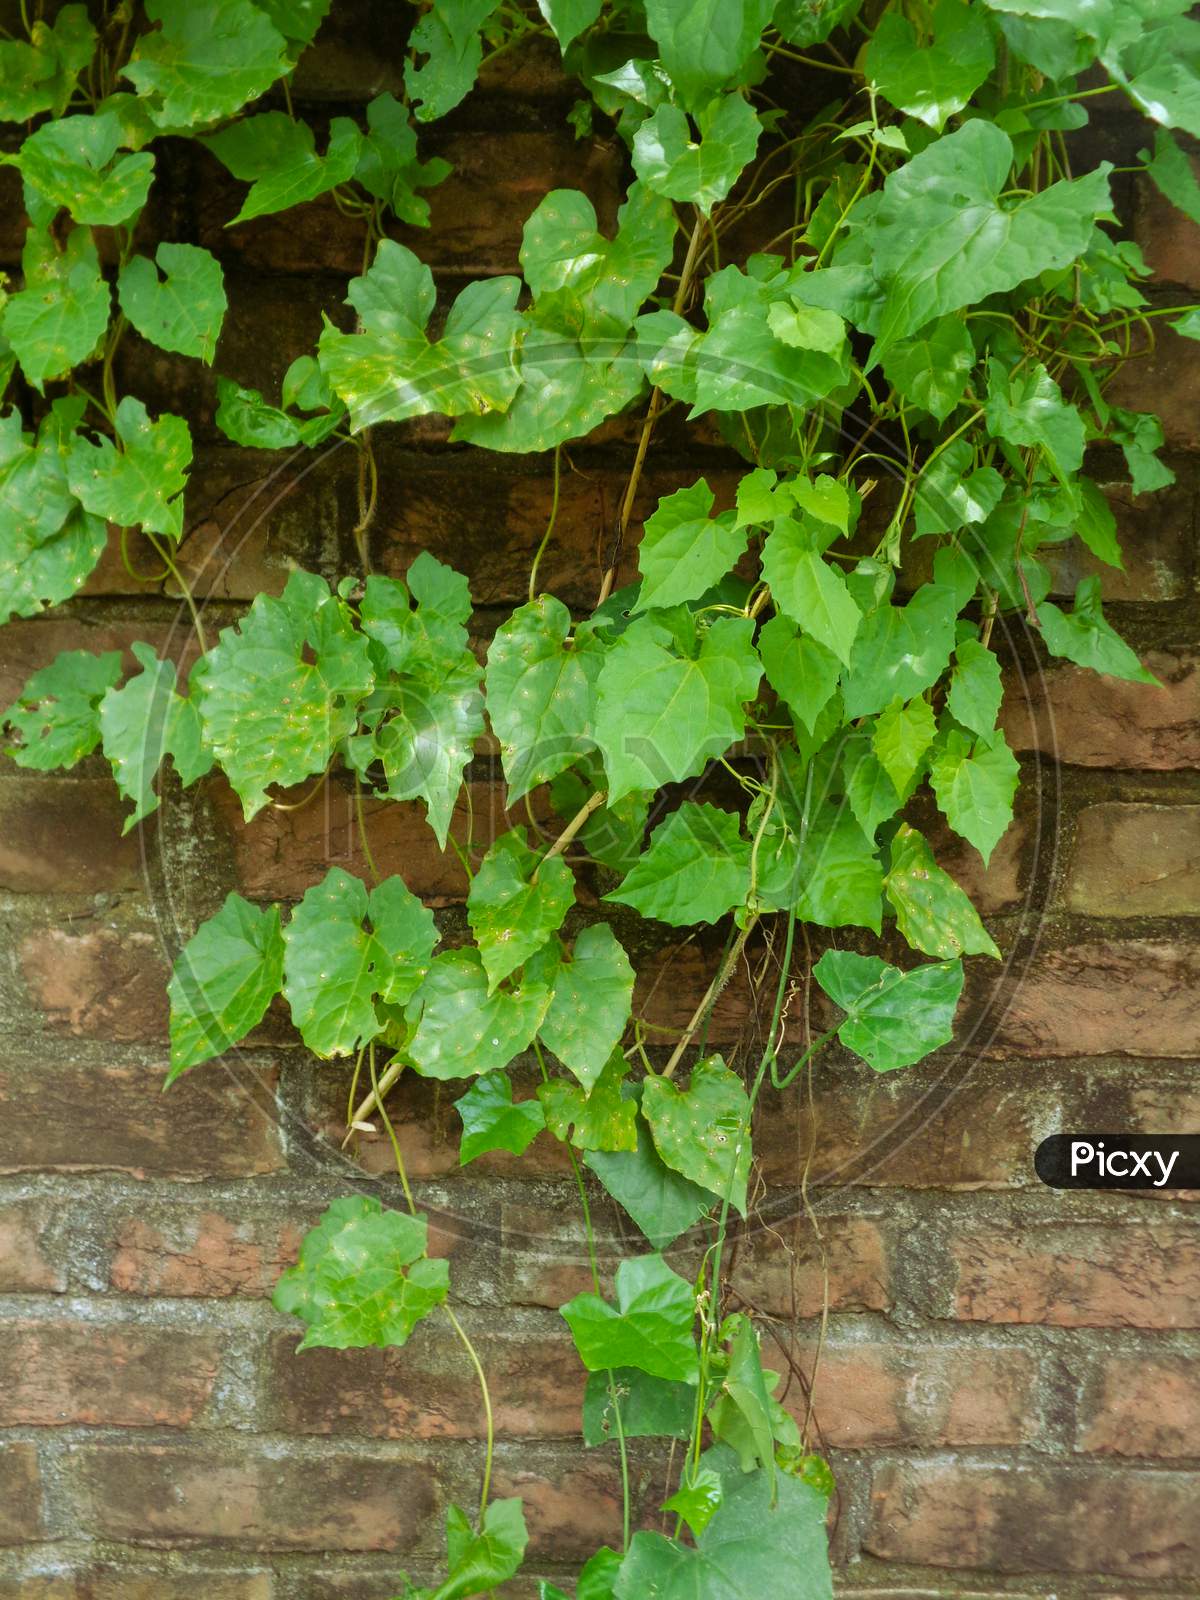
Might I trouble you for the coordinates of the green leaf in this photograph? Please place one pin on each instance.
(480, 1561)
(660, 715)
(974, 785)
(741, 1414)
(540, 689)
(144, 722)
(1140, 435)
(802, 672)
(391, 371)
(975, 689)
(335, 968)
(1159, 73)
(569, 18)
(671, 162)
(448, 33)
(590, 1004)
(757, 1543)
(871, 794)
(942, 237)
(269, 714)
(808, 589)
(901, 736)
(41, 75)
(703, 1131)
(931, 369)
(900, 651)
(463, 1029)
(205, 62)
(1174, 175)
(515, 902)
(297, 20)
(612, 833)
(893, 1018)
(932, 912)
(949, 496)
(805, 22)
(73, 163)
(278, 157)
(363, 1277)
(662, 1202)
(585, 285)
(491, 1120)
(55, 322)
(650, 1327)
(933, 79)
(841, 880)
(57, 713)
(1027, 408)
(685, 549)
(1084, 637)
(697, 1497)
(705, 43)
(183, 310)
(651, 1408)
(388, 166)
(567, 389)
(601, 1118)
(224, 979)
(142, 483)
(696, 868)
(48, 543)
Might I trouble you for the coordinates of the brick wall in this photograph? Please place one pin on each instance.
(1008, 1388)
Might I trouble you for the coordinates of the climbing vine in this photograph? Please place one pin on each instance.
(857, 245)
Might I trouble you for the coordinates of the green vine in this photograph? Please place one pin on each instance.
(913, 370)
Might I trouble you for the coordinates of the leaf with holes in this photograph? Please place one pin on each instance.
(672, 162)
(703, 1131)
(224, 979)
(363, 1277)
(662, 1202)
(57, 713)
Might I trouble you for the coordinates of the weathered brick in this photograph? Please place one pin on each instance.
(1169, 240)
(207, 1252)
(34, 643)
(972, 1126)
(216, 1123)
(63, 835)
(871, 1394)
(1157, 542)
(249, 1497)
(429, 1389)
(1141, 1405)
(1136, 860)
(1087, 720)
(1104, 997)
(21, 1518)
(1135, 1524)
(26, 1264)
(59, 1372)
(98, 981)
(781, 1270)
(124, 1583)
(1075, 1275)
(571, 1509)
(1166, 382)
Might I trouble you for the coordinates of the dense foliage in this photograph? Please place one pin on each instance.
(913, 366)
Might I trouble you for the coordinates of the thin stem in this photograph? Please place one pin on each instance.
(572, 828)
(541, 549)
(391, 1132)
(724, 973)
(361, 822)
(489, 1420)
(184, 588)
(368, 1104)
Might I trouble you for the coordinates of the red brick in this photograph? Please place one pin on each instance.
(1169, 240)
(789, 1280)
(429, 1390)
(218, 1122)
(21, 1519)
(1086, 720)
(1072, 1275)
(571, 1509)
(63, 835)
(970, 1128)
(122, 1583)
(27, 1264)
(956, 1514)
(1155, 533)
(97, 981)
(53, 1373)
(1136, 860)
(1132, 997)
(1166, 382)
(1142, 1406)
(282, 853)
(250, 1497)
(34, 643)
(202, 1253)
(881, 1394)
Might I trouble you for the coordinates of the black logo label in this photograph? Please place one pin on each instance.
(1119, 1161)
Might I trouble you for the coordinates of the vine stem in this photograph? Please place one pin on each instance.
(724, 973)
(541, 549)
(387, 1079)
(572, 828)
(643, 445)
